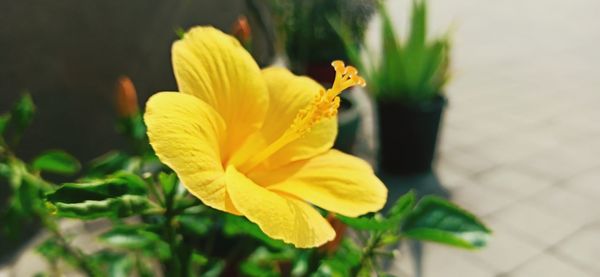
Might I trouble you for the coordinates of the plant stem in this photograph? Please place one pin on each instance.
(152, 187)
(368, 252)
(174, 265)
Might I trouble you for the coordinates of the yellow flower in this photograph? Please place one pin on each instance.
(257, 142)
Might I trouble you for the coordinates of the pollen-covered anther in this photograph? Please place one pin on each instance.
(350, 71)
(338, 65)
(345, 77)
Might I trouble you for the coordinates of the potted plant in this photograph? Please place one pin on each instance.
(310, 43)
(407, 84)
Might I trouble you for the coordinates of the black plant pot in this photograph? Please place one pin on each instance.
(408, 135)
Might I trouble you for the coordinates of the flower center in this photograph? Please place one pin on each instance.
(324, 105)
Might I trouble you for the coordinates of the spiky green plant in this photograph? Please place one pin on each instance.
(414, 70)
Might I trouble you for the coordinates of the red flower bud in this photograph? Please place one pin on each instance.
(340, 230)
(241, 29)
(126, 97)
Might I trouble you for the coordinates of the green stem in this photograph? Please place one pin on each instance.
(368, 252)
(174, 264)
(152, 187)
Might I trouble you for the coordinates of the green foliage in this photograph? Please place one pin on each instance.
(22, 113)
(108, 163)
(114, 186)
(344, 262)
(134, 129)
(265, 262)
(120, 195)
(437, 220)
(395, 216)
(430, 219)
(53, 250)
(137, 238)
(13, 124)
(170, 230)
(56, 161)
(4, 119)
(195, 224)
(117, 207)
(236, 225)
(114, 264)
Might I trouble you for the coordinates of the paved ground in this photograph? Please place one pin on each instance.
(521, 139)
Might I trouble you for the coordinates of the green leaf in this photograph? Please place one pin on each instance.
(168, 183)
(53, 251)
(5, 171)
(198, 260)
(138, 239)
(214, 269)
(236, 225)
(108, 163)
(435, 219)
(120, 195)
(115, 264)
(341, 264)
(30, 197)
(267, 262)
(195, 224)
(255, 270)
(56, 161)
(180, 32)
(122, 206)
(394, 218)
(403, 205)
(4, 119)
(116, 185)
(22, 113)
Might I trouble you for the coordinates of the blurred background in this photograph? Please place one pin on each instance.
(519, 137)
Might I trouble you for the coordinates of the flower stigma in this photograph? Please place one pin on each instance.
(324, 105)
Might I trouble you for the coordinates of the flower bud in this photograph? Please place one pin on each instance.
(340, 230)
(126, 96)
(241, 29)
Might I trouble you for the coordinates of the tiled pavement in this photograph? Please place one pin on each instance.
(521, 138)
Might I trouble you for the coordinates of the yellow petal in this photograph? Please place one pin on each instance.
(186, 135)
(279, 216)
(334, 181)
(214, 67)
(288, 95)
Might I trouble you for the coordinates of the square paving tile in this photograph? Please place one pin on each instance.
(470, 163)
(537, 225)
(560, 162)
(442, 261)
(481, 200)
(566, 205)
(506, 249)
(583, 248)
(586, 184)
(514, 181)
(548, 265)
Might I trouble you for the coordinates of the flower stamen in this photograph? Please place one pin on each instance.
(324, 105)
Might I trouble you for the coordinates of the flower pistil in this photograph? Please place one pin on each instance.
(325, 105)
